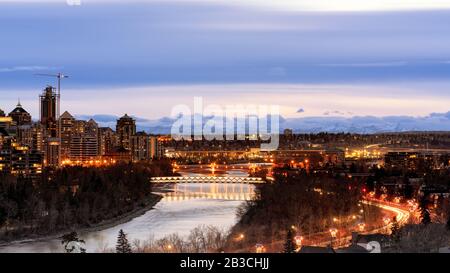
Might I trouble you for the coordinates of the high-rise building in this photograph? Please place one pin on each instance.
(5, 122)
(48, 118)
(92, 128)
(25, 135)
(20, 116)
(19, 160)
(154, 147)
(140, 146)
(287, 132)
(48, 110)
(52, 152)
(84, 142)
(37, 135)
(67, 122)
(21, 123)
(4, 136)
(125, 129)
(107, 140)
(83, 148)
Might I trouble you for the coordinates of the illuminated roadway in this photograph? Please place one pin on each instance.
(323, 239)
(402, 217)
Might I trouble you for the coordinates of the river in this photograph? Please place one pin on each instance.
(183, 208)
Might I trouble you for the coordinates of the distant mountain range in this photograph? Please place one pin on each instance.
(356, 124)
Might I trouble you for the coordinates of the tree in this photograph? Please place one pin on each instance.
(3, 216)
(395, 230)
(72, 244)
(289, 245)
(122, 246)
(448, 222)
(424, 212)
(408, 189)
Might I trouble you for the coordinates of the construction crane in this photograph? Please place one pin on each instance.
(59, 76)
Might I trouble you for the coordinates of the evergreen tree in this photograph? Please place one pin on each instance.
(123, 246)
(289, 245)
(72, 243)
(448, 222)
(395, 230)
(424, 212)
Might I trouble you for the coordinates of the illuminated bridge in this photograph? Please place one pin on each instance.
(208, 179)
(179, 196)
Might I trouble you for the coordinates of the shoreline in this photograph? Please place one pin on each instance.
(106, 224)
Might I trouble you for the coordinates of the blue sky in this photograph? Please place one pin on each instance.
(380, 58)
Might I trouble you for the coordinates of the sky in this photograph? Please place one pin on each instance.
(341, 58)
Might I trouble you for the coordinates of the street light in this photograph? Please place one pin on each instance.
(298, 241)
(169, 247)
(260, 248)
(333, 233)
(361, 227)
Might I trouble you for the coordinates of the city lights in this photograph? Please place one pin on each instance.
(234, 129)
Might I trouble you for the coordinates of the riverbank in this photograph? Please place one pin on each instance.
(150, 202)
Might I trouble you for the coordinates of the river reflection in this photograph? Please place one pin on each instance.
(236, 192)
(183, 208)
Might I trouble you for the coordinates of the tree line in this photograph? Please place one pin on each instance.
(308, 203)
(74, 197)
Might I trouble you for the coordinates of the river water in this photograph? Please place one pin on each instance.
(183, 208)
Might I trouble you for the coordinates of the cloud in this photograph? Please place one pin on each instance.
(336, 113)
(26, 68)
(349, 5)
(297, 5)
(217, 43)
(375, 64)
(277, 71)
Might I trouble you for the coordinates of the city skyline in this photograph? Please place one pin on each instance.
(333, 121)
(225, 127)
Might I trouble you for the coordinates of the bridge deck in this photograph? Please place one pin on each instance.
(207, 179)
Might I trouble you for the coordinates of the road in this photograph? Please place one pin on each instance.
(323, 239)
